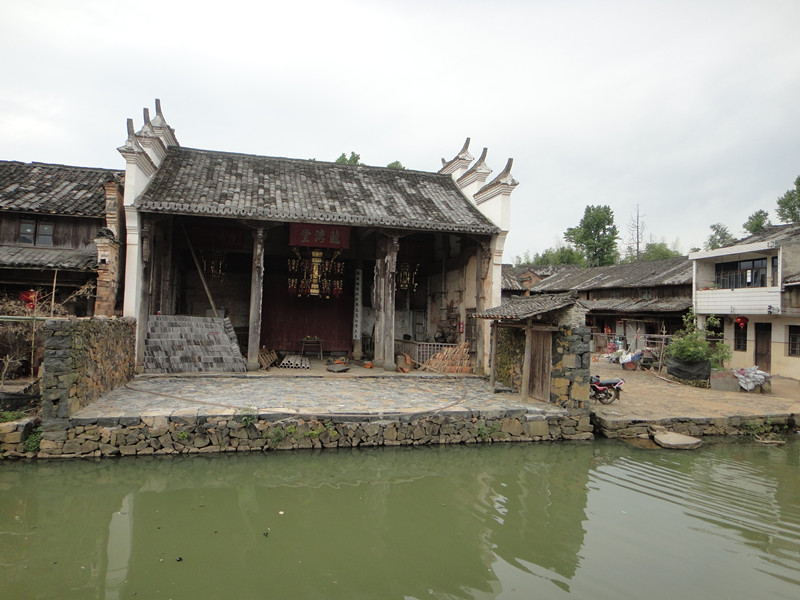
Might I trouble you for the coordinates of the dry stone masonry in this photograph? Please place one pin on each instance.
(84, 358)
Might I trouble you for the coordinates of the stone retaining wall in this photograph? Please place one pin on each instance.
(84, 358)
(735, 425)
(189, 433)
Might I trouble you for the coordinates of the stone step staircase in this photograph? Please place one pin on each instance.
(182, 344)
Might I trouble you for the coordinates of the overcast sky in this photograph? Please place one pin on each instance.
(686, 108)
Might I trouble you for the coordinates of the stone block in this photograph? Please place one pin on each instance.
(538, 428)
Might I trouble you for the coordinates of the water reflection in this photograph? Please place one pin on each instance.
(500, 521)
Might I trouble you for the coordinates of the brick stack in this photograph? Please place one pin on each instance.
(182, 344)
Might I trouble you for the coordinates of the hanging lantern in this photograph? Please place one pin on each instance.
(741, 322)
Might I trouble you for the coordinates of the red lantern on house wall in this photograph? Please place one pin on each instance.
(741, 322)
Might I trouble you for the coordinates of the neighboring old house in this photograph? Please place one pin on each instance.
(755, 285)
(356, 257)
(59, 229)
(629, 301)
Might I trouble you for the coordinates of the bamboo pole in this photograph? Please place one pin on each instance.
(199, 270)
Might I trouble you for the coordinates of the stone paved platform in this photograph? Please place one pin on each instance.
(307, 393)
(363, 392)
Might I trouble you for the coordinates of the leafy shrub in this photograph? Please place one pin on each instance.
(692, 344)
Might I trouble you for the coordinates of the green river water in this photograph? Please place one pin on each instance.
(589, 520)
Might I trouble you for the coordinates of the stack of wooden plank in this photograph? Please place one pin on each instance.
(267, 358)
(450, 360)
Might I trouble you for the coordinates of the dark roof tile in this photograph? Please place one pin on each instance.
(671, 271)
(191, 181)
(32, 257)
(54, 189)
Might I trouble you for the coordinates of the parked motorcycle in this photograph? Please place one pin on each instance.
(605, 390)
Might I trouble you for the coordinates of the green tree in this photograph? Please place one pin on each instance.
(657, 251)
(720, 236)
(396, 164)
(560, 255)
(596, 236)
(789, 204)
(756, 222)
(355, 159)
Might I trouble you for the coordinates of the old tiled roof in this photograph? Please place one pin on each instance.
(221, 184)
(622, 305)
(518, 308)
(54, 189)
(31, 257)
(671, 271)
(779, 234)
(510, 281)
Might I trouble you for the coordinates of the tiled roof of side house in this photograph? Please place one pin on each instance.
(221, 184)
(25, 257)
(779, 234)
(671, 271)
(792, 279)
(54, 189)
(510, 281)
(517, 308)
(639, 306)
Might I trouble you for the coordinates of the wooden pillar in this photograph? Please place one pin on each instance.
(384, 293)
(256, 296)
(492, 355)
(526, 364)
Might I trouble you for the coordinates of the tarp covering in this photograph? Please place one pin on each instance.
(691, 371)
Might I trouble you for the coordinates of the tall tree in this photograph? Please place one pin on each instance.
(560, 255)
(720, 236)
(789, 204)
(396, 164)
(596, 236)
(355, 159)
(636, 228)
(756, 222)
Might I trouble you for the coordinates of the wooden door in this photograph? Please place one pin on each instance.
(764, 346)
(541, 364)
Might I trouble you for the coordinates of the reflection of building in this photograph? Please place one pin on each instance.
(354, 256)
(59, 229)
(755, 285)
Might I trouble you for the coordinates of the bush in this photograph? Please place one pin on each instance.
(692, 345)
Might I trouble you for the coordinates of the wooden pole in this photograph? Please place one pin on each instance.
(53, 294)
(199, 270)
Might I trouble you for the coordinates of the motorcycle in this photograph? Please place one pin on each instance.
(605, 390)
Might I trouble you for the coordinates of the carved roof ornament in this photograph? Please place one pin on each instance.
(503, 183)
(460, 162)
(477, 172)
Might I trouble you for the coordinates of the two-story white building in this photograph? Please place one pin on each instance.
(755, 285)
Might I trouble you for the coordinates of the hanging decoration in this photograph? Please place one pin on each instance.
(741, 322)
(213, 263)
(407, 277)
(315, 272)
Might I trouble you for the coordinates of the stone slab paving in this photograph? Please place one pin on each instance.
(363, 392)
(305, 394)
(646, 397)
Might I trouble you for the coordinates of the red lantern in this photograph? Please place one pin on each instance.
(741, 322)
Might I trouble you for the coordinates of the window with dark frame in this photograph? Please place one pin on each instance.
(740, 339)
(36, 232)
(794, 340)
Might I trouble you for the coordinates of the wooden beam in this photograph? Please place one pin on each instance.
(256, 299)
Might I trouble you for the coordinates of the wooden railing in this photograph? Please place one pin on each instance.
(419, 351)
